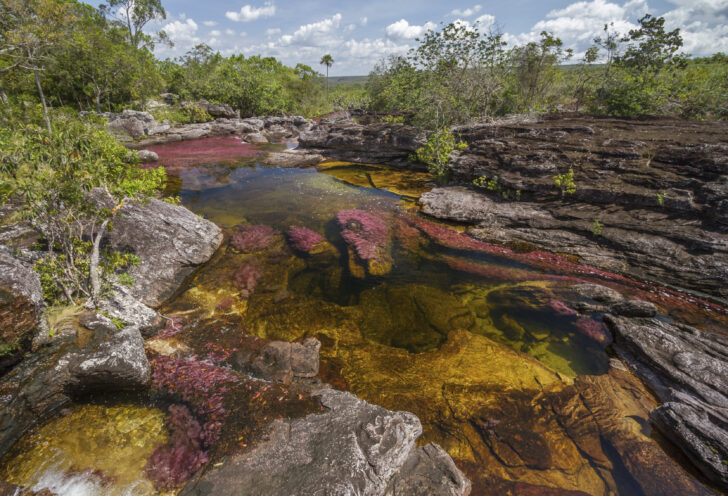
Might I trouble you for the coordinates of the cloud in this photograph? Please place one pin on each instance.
(215, 32)
(182, 33)
(272, 31)
(229, 32)
(209, 24)
(316, 34)
(485, 22)
(402, 30)
(249, 13)
(363, 21)
(466, 12)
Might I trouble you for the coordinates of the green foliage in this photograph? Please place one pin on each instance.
(494, 186)
(454, 74)
(393, 119)
(661, 198)
(436, 152)
(186, 114)
(597, 228)
(565, 182)
(74, 181)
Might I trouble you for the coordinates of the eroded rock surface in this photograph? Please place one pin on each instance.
(171, 242)
(688, 370)
(646, 243)
(376, 143)
(108, 359)
(352, 448)
(22, 309)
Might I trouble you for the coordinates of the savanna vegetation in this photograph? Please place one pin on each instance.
(459, 74)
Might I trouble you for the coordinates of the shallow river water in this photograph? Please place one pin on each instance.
(494, 349)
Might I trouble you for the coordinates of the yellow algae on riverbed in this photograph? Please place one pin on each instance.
(94, 448)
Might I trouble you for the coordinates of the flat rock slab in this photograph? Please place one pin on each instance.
(354, 448)
(688, 370)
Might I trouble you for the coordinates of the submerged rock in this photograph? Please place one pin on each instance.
(429, 470)
(352, 448)
(282, 361)
(688, 370)
(369, 242)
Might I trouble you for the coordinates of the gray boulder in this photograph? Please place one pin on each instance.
(171, 242)
(218, 110)
(147, 156)
(292, 158)
(122, 305)
(354, 448)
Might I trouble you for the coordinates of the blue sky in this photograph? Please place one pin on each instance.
(358, 34)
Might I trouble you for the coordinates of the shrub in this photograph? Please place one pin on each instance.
(565, 182)
(436, 152)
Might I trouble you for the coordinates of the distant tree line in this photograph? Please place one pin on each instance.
(459, 74)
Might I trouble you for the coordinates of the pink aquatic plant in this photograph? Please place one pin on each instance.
(180, 155)
(172, 464)
(594, 330)
(246, 278)
(304, 239)
(367, 234)
(561, 308)
(249, 239)
(175, 325)
(200, 384)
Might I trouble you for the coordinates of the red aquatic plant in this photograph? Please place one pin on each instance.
(367, 234)
(560, 308)
(200, 384)
(175, 325)
(248, 239)
(594, 330)
(177, 156)
(304, 239)
(184, 453)
(246, 278)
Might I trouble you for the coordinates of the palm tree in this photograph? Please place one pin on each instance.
(328, 61)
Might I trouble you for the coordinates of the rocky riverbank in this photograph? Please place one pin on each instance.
(649, 202)
(106, 353)
(650, 199)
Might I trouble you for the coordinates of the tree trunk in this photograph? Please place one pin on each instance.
(327, 81)
(3, 96)
(98, 102)
(42, 100)
(94, 265)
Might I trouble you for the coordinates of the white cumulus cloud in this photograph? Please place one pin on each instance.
(403, 30)
(272, 31)
(249, 13)
(316, 34)
(467, 12)
(209, 24)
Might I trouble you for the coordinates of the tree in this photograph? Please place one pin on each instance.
(328, 61)
(650, 48)
(136, 14)
(31, 29)
(74, 183)
(536, 69)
